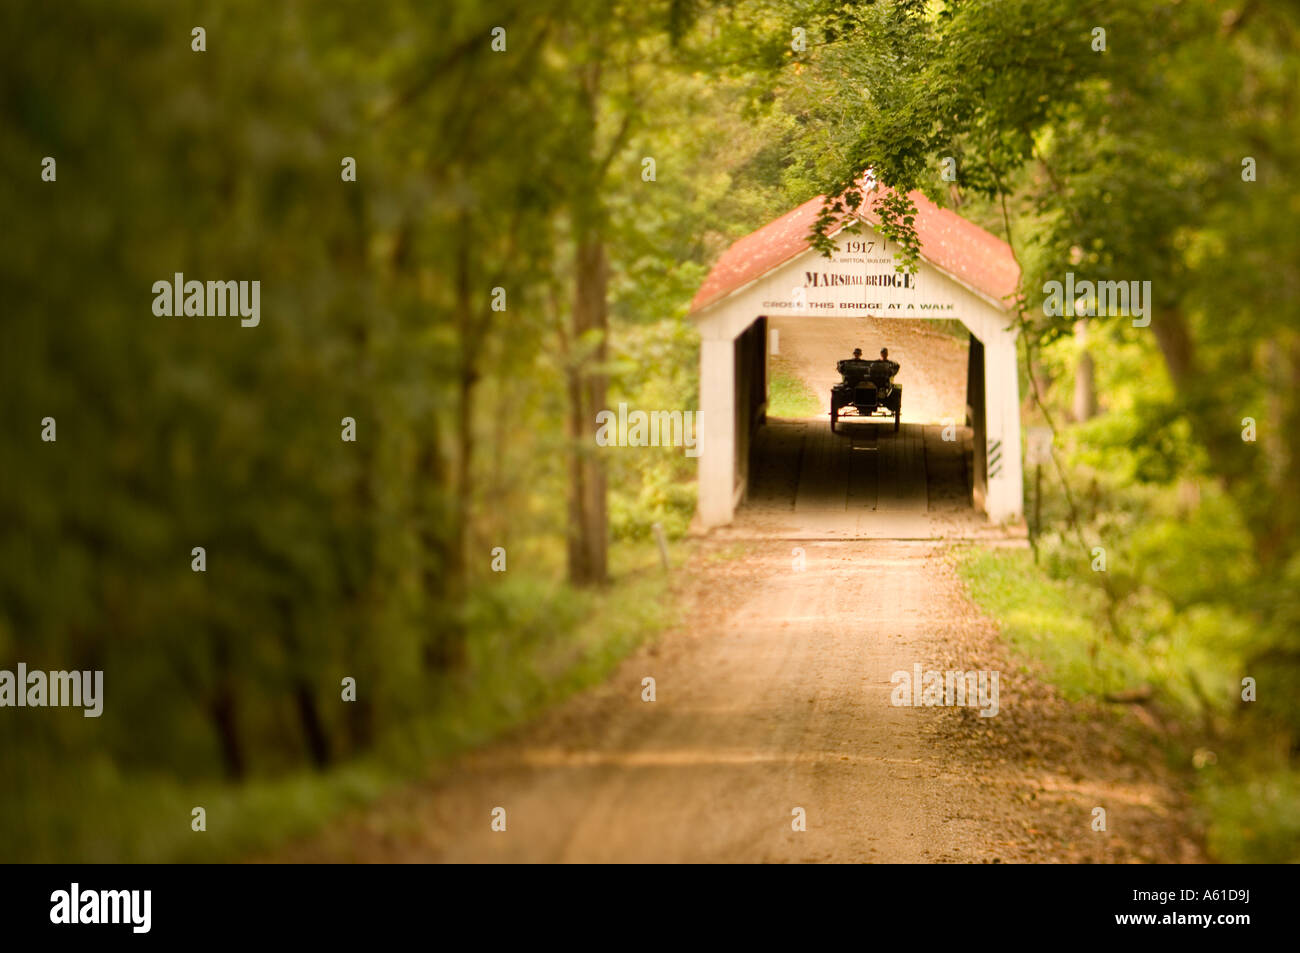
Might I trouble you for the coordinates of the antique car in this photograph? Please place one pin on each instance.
(866, 389)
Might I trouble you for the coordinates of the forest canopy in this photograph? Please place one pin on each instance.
(457, 254)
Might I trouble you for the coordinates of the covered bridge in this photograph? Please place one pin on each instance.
(965, 273)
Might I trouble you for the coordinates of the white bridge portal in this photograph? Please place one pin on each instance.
(965, 273)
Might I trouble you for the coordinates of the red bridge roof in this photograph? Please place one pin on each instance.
(960, 248)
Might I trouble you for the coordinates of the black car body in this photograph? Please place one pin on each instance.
(866, 389)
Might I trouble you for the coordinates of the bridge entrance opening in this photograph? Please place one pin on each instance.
(865, 478)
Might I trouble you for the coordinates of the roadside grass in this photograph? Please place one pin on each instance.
(1238, 770)
(532, 644)
(1055, 621)
(788, 395)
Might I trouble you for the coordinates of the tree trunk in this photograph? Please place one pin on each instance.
(444, 647)
(361, 722)
(469, 333)
(224, 710)
(1175, 343)
(309, 719)
(453, 588)
(588, 517)
(313, 728)
(226, 722)
(1278, 446)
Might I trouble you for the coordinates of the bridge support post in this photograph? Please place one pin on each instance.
(1005, 500)
(717, 432)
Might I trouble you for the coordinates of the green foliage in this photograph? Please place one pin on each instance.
(788, 395)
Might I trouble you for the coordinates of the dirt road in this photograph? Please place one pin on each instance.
(775, 702)
(777, 697)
